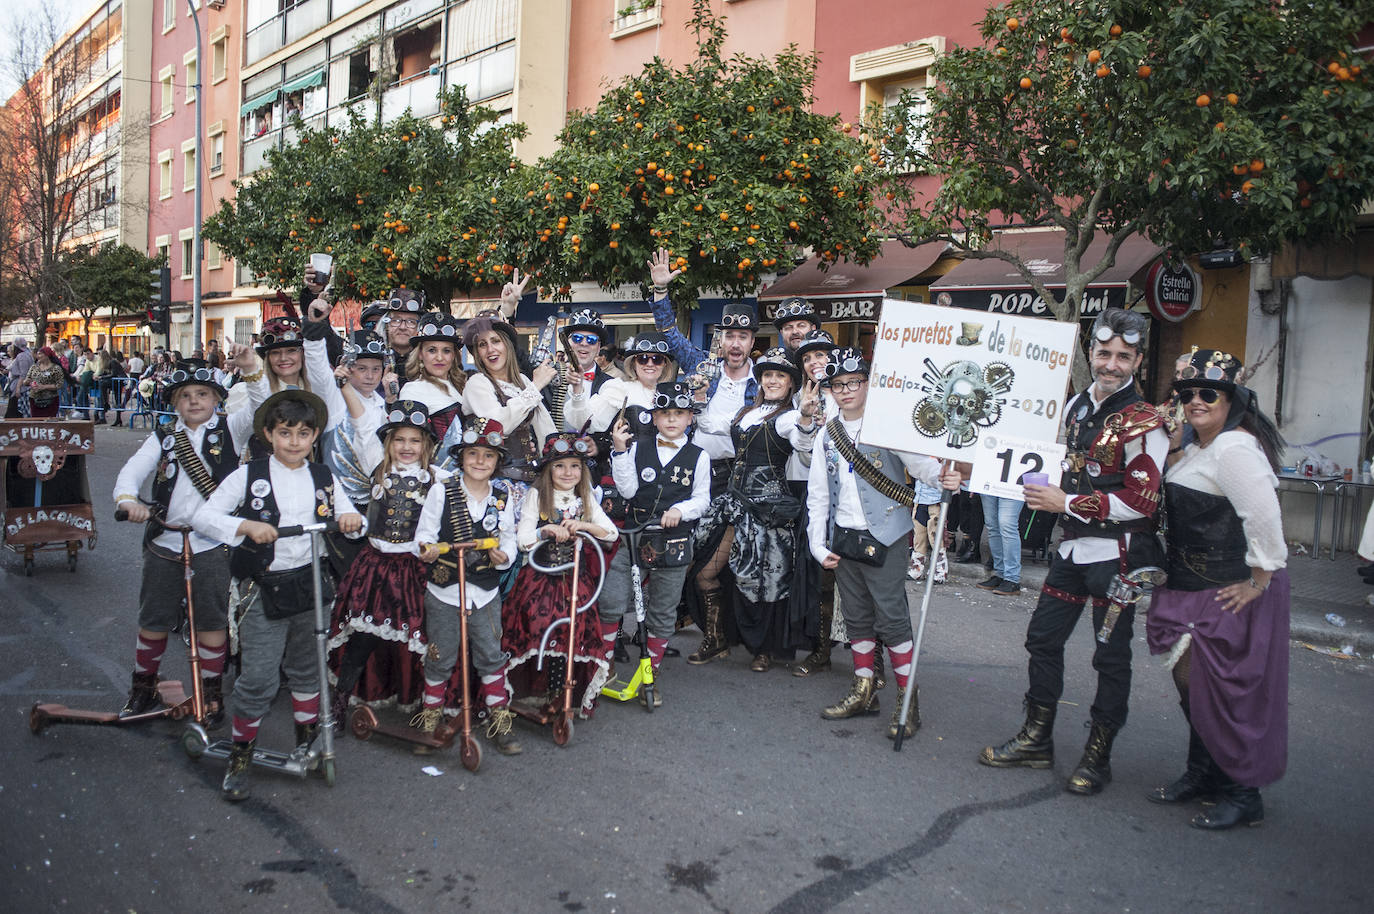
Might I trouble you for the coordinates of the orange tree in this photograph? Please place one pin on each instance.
(720, 161)
(407, 203)
(1244, 123)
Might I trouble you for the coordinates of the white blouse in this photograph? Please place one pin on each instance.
(479, 399)
(788, 425)
(1234, 466)
(527, 532)
(603, 406)
(435, 393)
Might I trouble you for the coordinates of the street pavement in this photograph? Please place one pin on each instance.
(734, 796)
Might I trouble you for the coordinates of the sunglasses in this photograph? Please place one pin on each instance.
(1105, 333)
(1205, 394)
(200, 374)
(646, 358)
(584, 339)
(851, 384)
(737, 320)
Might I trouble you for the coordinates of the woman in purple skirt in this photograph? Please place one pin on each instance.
(1223, 619)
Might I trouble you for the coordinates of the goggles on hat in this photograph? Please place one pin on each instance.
(848, 365)
(491, 439)
(372, 347)
(790, 310)
(404, 304)
(440, 329)
(1211, 373)
(181, 375)
(674, 401)
(737, 320)
(285, 336)
(564, 447)
(415, 418)
(1105, 333)
(651, 346)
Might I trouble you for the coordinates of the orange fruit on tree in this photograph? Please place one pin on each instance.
(1103, 70)
(1094, 55)
(1256, 166)
(1013, 24)
(1247, 187)
(1232, 98)
(613, 245)
(1025, 82)
(1144, 71)
(1204, 100)
(1115, 31)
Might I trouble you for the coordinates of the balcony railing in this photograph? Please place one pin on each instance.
(419, 93)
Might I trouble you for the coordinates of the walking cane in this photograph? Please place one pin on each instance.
(946, 496)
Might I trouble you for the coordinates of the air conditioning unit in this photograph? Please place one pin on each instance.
(215, 4)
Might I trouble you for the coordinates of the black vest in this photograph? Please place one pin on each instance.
(661, 486)
(216, 453)
(250, 558)
(394, 510)
(760, 454)
(1206, 540)
(1086, 475)
(456, 525)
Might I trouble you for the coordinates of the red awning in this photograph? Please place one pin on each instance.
(1043, 252)
(896, 265)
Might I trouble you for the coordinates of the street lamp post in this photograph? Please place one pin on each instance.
(196, 253)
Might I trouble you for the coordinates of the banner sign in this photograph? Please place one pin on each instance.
(48, 524)
(944, 380)
(19, 437)
(833, 309)
(1025, 301)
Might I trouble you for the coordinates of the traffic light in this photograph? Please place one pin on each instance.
(159, 309)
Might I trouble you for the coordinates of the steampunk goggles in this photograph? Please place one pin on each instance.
(404, 304)
(1104, 334)
(472, 437)
(182, 376)
(566, 447)
(414, 418)
(742, 321)
(271, 338)
(674, 401)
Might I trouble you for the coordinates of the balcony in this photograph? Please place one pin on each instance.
(636, 17)
(419, 93)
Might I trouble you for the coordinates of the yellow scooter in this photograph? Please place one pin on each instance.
(643, 678)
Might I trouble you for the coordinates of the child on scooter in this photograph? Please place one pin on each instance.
(668, 484)
(556, 508)
(187, 459)
(381, 595)
(470, 505)
(276, 633)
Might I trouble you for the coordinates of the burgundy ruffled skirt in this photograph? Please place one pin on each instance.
(382, 594)
(536, 602)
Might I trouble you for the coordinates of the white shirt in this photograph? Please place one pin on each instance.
(435, 393)
(720, 412)
(479, 399)
(432, 515)
(320, 376)
(849, 511)
(136, 366)
(294, 491)
(627, 477)
(1084, 550)
(603, 406)
(185, 500)
(1234, 466)
(527, 533)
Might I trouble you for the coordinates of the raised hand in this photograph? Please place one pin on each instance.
(661, 271)
(512, 291)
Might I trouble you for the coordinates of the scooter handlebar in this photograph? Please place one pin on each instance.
(486, 542)
(327, 526)
(122, 514)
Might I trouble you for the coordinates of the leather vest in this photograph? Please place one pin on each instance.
(661, 486)
(1096, 459)
(457, 525)
(550, 552)
(1205, 539)
(393, 512)
(761, 456)
(260, 504)
(216, 453)
(522, 450)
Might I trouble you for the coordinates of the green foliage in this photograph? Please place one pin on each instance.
(720, 161)
(111, 277)
(1092, 118)
(404, 204)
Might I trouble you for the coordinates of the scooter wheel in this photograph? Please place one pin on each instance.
(470, 754)
(362, 722)
(194, 741)
(37, 719)
(563, 731)
(327, 767)
(649, 699)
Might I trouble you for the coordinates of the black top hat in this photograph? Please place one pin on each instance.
(479, 432)
(437, 327)
(297, 394)
(1210, 368)
(739, 317)
(406, 414)
(675, 395)
(651, 343)
(192, 371)
(588, 320)
(279, 333)
(365, 344)
(373, 312)
(776, 359)
(795, 309)
(566, 444)
(814, 339)
(845, 360)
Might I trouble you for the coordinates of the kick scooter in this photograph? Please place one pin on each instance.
(643, 678)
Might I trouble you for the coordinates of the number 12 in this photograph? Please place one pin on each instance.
(1033, 462)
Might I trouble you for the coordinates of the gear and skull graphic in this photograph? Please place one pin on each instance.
(960, 399)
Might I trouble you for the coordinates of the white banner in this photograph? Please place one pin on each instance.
(999, 464)
(944, 379)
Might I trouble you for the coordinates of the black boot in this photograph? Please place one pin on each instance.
(143, 695)
(1094, 769)
(1031, 747)
(1238, 806)
(499, 731)
(1197, 782)
(819, 659)
(212, 690)
(713, 646)
(621, 654)
(235, 786)
(969, 553)
(305, 734)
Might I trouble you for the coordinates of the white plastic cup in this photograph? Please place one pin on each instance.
(322, 264)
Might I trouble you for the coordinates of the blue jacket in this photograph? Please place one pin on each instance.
(687, 353)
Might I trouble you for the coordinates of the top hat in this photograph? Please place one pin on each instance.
(188, 372)
(738, 316)
(795, 309)
(365, 344)
(776, 359)
(1210, 368)
(405, 414)
(437, 327)
(814, 339)
(675, 395)
(566, 444)
(588, 320)
(372, 312)
(279, 333)
(405, 300)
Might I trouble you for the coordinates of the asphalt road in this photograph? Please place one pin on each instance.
(735, 796)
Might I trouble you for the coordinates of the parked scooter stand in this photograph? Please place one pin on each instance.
(643, 678)
(175, 703)
(364, 721)
(319, 755)
(562, 716)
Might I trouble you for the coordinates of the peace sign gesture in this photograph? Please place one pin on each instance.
(810, 398)
(660, 268)
(511, 292)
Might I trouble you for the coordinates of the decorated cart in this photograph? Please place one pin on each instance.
(46, 495)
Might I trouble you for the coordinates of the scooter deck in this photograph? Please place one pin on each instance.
(175, 705)
(628, 689)
(298, 761)
(364, 722)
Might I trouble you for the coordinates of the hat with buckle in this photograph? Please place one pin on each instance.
(566, 444)
(365, 344)
(589, 321)
(188, 372)
(479, 432)
(279, 333)
(845, 360)
(437, 327)
(486, 322)
(295, 394)
(675, 395)
(776, 359)
(738, 316)
(1210, 368)
(406, 414)
(795, 309)
(814, 340)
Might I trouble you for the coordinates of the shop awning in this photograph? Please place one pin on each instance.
(850, 292)
(1337, 259)
(988, 284)
(261, 101)
(308, 81)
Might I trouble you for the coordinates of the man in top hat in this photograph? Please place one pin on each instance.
(734, 388)
(1117, 446)
(586, 334)
(795, 318)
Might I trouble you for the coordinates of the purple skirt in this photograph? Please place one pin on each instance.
(1238, 683)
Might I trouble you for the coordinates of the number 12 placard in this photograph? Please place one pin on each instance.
(1001, 462)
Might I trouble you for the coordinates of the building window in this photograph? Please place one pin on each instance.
(244, 330)
(164, 171)
(192, 75)
(361, 71)
(630, 16)
(188, 163)
(219, 58)
(164, 250)
(217, 154)
(165, 77)
(884, 74)
(213, 258)
(169, 15)
(188, 256)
